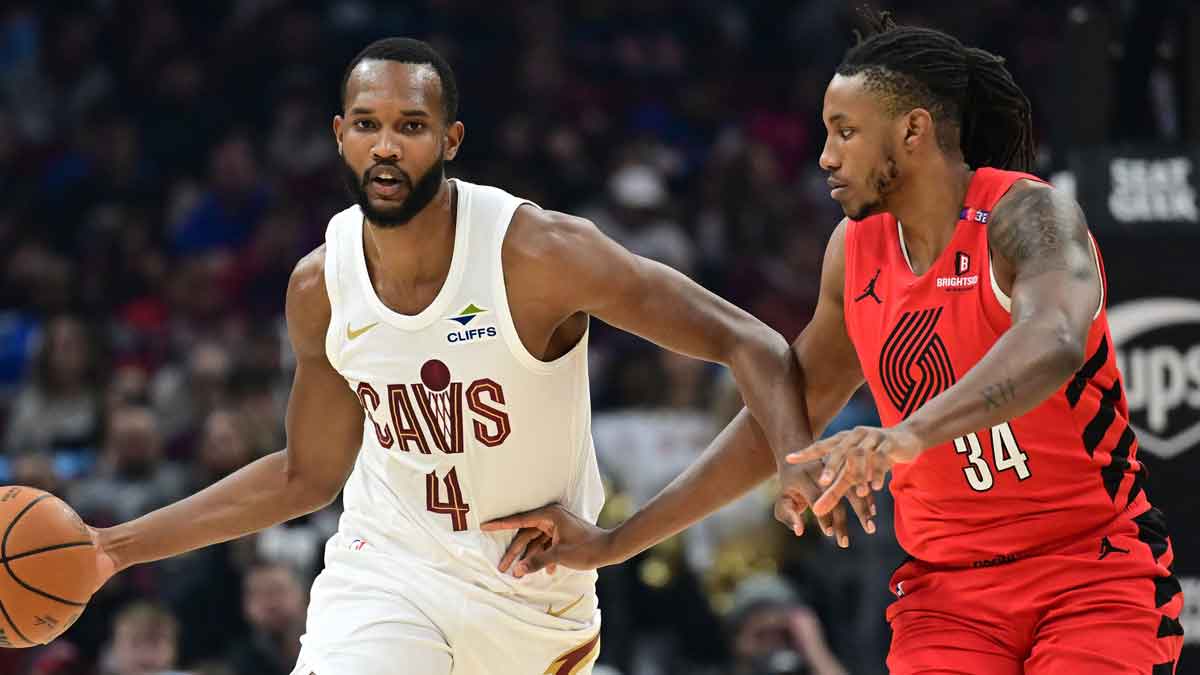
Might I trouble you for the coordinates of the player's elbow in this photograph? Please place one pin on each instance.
(757, 343)
(307, 489)
(1065, 353)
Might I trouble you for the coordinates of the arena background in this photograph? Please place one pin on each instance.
(164, 163)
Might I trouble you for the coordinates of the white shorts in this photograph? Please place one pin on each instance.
(374, 614)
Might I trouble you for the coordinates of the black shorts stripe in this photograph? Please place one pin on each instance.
(1115, 471)
(1087, 372)
(1139, 480)
(1152, 531)
(1169, 627)
(1165, 588)
(1167, 668)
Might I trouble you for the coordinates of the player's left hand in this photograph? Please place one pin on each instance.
(858, 458)
(552, 536)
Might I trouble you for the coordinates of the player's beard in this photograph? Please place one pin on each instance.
(883, 181)
(420, 193)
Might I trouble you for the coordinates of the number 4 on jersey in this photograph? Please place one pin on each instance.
(453, 505)
(1006, 454)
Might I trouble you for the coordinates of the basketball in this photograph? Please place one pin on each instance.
(49, 567)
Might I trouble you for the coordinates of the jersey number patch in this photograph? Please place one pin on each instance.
(453, 504)
(1006, 454)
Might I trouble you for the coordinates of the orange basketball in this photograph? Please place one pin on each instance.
(49, 566)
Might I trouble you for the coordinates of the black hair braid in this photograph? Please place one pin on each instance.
(970, 93)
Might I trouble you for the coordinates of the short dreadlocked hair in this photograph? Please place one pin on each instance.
(408, 50)
(973, 99)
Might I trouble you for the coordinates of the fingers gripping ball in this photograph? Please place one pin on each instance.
(49, 567)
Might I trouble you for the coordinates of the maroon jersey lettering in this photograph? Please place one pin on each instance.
(500, 428)
(443, 415)
(404, 421)
(369, 399)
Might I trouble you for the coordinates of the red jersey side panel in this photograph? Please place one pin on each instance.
(1066, 468)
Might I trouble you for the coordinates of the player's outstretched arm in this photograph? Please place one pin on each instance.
(1040, 236)
(737, 460)
(324, 430)
(579, 269)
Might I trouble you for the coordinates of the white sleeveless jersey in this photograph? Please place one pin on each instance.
(463, 424)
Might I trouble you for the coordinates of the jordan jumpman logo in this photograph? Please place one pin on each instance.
(870, 290)
(1106, 547)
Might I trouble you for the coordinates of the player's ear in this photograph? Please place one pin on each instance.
(917, 127)
(454, 138)
(338, 121)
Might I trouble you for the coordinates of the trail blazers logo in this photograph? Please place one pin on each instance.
(914, 364)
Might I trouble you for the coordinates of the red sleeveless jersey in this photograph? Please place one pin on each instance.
(1063, 470)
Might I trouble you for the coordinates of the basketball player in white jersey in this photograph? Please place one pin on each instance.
(441, 342)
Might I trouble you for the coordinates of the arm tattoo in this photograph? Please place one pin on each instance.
(1041, 230)
(1000, 393)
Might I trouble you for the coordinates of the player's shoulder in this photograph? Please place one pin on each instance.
(833, 267)
(837, 240)
(1029, 201)
(308, 308)
(1019, 191)
(538, 235)
(1034, 220)
(307, 281)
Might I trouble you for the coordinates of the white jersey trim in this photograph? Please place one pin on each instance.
(508, 327)
(1006, 301)
(904, 247)
(333, 289)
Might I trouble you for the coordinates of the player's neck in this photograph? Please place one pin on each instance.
(929, 209)
(418, 251)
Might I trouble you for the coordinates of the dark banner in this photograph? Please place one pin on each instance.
(1140, 191)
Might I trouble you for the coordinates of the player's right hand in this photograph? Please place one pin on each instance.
(799, 490)
(551, 536)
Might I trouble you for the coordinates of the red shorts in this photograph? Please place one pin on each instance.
(1107, 604)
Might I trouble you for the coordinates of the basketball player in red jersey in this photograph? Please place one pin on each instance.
(970, 297)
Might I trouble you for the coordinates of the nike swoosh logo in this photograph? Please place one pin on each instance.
(351, 333)
(558, 613)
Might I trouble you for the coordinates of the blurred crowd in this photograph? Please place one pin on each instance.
(163, 165)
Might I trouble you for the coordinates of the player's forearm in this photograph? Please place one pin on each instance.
(1021, 370)
(737, 460)
(255, 497)
(772, 384)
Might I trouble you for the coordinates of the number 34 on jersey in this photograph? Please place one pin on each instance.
(1006, 455)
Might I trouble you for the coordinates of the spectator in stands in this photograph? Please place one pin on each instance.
(274, 601)
(144, 641)
(60, 407)
(185, 393)
(772, 633)
(132, 477)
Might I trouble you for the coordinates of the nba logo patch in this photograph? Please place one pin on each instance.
(962, 263)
